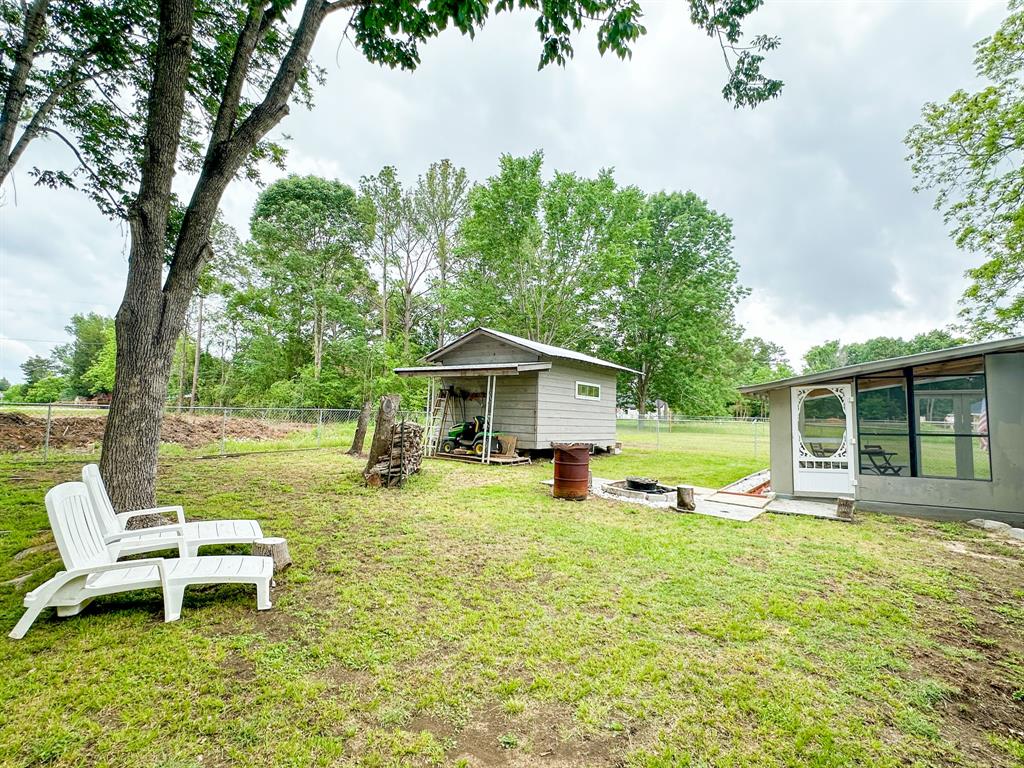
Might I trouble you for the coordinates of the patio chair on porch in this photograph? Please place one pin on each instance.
(881, 460)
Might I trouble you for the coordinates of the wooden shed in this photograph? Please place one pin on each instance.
(538, 393)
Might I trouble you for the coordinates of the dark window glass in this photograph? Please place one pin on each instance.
(882, 405)
(883, 425)
(952, 420)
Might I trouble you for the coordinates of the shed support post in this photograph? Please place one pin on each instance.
(489, 418)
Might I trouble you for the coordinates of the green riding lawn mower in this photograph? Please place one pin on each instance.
(472, 436)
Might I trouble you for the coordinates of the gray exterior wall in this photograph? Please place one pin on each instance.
(562, 418)
(538, 407)
(1001, 498)
(780, 430)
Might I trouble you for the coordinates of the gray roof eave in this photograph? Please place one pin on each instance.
(537, 348)
(907, 361)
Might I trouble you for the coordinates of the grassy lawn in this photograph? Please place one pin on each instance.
(470, 619)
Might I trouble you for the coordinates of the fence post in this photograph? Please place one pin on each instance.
(757, 423)
(46, 441)
(223, 429)
(319, 424)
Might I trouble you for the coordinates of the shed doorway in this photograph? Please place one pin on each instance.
(823, 439)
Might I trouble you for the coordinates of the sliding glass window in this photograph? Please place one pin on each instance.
(952, 420)
(929, 421)
(883, 425)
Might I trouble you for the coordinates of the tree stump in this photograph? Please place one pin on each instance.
(381, 443)
(275, 548)
(685, 499)
(844, 508)
(361, 425)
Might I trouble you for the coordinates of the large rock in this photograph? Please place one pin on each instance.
(1016, 533)
(988, 525)
(995, 525)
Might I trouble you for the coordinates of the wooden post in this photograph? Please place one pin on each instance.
(49, 425)
(844, 508)
(684, 498)
(381, 443)
(275, 548)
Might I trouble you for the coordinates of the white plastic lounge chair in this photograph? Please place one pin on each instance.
(187, 537)
(93, 571)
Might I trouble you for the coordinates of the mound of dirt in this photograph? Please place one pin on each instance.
(22, 432)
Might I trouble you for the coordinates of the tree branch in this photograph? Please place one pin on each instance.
(14, 98)
(81, 161)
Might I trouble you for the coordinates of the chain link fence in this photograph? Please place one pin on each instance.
(66, 431)
(736, 434)
(69, 431)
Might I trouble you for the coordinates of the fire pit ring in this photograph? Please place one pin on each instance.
(646, 484)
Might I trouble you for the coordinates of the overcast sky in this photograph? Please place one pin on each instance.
(831, 240)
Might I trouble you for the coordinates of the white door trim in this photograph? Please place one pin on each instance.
(833, 474)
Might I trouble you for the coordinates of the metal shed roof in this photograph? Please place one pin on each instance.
(1014, 344)
(473, 369)
(536, 347)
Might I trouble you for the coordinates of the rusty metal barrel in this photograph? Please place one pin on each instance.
(572, 471)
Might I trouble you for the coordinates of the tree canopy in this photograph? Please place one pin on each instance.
(833, 354)
(968, 150)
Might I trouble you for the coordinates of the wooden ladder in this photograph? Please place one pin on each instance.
(435, 424)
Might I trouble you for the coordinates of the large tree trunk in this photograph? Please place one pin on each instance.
(406, 323)
(382, 431)
(152, 312)
(33, 33)
(148, 321)
(360, 436)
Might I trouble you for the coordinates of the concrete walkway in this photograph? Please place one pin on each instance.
(709, 502)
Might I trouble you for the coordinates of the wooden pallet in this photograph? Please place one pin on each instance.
(471, 459)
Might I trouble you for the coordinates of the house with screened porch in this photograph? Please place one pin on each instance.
(938, 434)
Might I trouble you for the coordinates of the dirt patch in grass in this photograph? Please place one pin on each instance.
(979, 653)
(22, 432)
(546, 736)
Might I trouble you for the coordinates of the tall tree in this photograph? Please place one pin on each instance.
(442, 201)
(213, 79)
(382, 195)
(757, 361)
(675, 322)
(824, 357)
(968, 149)
(415, 262)
(544, 259)
(37, 368)
(306, 232)
(88, 334)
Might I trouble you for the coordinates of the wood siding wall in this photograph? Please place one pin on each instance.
(562, 418)
(515, 405)
(484, 349)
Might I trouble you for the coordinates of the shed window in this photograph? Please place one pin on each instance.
(929, 421)
(587, 391)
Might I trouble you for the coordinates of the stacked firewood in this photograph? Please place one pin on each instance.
(401, 459)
